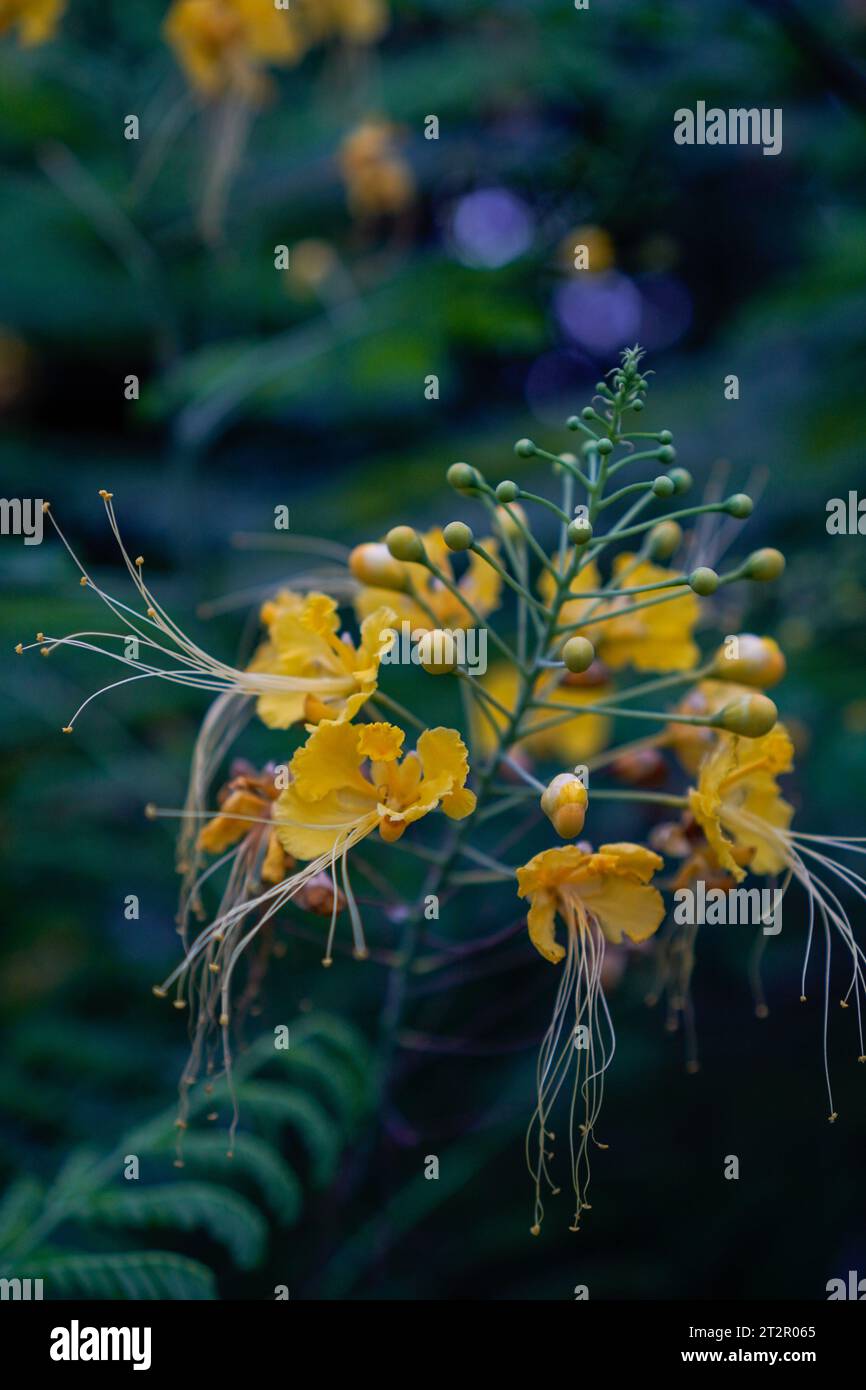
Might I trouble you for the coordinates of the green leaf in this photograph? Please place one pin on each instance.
(269, 1100)
(152, 1274)
(227, 1217)
(254, 1157)
(18, 1208)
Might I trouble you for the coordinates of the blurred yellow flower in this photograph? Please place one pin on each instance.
(570, 742)
(224, 45)
(36, 20)
(330, 803)
(611, 887)
(738, 805)
(480, 585)
(379, 181)
(655, 639)
(332, 677)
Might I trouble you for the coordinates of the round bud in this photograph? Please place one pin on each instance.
(740, 505)
(764, 564)
(405, 544)
(667, 453)
(564, 803)
(437, 652)
(704, 581)
(665, 437)
(588, 413)
(464, 478)
(458, 536)
(601, 386)
(756, 661)
(681, 479)
(373, 564)
(507, 491)
(752, 716)
(579, 531)
(605, 446)
(663, 486)
(524, 449)
(637, 405)
(573, 422)
(664, 540)
(578, 655)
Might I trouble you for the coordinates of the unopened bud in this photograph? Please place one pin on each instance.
(464, 478)
(564, 803)
(752, 716)
(740, 506)
(764, 564)
(507, 491)
(703, 581)
(405, 544)
(578, 654)
(664, 539)
(437, 652)
(372, 563)
(759, 661)
(458, 536)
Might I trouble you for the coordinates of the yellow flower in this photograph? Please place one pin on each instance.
(653, 639)
(378, 181)
(573, 610)
(36, 20)
(738, 805)
(358, 21)
(333, 678)
(479, 584)
(331, 803)
(224, 45)
(570, 742)
(611, 887)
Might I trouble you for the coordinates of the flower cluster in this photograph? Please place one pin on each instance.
(598, 627)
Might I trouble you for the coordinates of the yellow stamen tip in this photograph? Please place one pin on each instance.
(180, 1124)
(83, 581)
(212, 1116)
(834, 1116)
(802, 998)
(150, 811)
(106, 496)
(535, 1230)
(180, 1003)
(151, 612)
(20, 648)
(40, 637)
(361, 953)
(178, 1163)
(327, 961)
(67, 729)
(159, 991)
(45, 506)
(139, 559)
(214, 967)
(843, 1003)
(224, 1020)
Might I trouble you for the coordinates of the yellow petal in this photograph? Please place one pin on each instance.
(329, 760)
(623, 907)
(380, 742)
(540, 921)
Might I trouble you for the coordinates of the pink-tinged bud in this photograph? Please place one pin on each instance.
(373, 564)
(751, 660)
(564, 803)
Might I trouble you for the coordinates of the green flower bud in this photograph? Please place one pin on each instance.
(507, 491)
(579, 531)
(524, 449)
(681, 478)
(464, 478)
(458, 536)
(437, 650)
(752, 716)
(740, 505)
(764, 564)
(405, 544)
(664, 486)
(573, 422)
(704, 581)
(588, 413)
(664, 539)
(605, 446)
(637, 405)
(578, 655)
(665, 437)
(667, 453)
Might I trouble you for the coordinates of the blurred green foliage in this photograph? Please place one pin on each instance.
(260, 389)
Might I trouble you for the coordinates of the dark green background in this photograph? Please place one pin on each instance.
(254, 396)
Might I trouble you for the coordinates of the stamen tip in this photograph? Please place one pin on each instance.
(139, 559)
(19, 648)
(535, 1230)
(179, 1003)
(834, 1117)
(159, 991)
(67, 729)
(106, 496)
(224, 1020)
(84, 581)
(150, 811)
(327, 961)
(45, 506)
(761, 1011)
